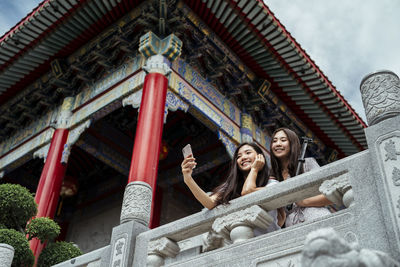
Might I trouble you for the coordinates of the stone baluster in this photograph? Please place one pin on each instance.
(6, 255)
(159, 249)
(380, 93)
(211, 241)
(239, 226)
(338, 190)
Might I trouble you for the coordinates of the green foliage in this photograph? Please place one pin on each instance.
(23, 256)
(43, 228)
(57, 252)
(17, 206)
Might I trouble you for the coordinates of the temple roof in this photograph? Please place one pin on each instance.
(56, 29)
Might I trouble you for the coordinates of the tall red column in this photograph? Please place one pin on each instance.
(139, 196)
(146, 150)
(49, 187)
(48, 190)
(145, 156)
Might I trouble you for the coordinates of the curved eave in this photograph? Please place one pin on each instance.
(54, 29)
(253, 32)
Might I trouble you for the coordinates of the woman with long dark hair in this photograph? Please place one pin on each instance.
(248, 173)
(285, 152)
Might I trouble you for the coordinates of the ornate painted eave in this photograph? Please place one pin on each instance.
(261, 41)
(57, 28)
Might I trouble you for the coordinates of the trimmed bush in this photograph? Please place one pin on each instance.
(57, 252)
(42, 228)
(17, 206)
(23, 255)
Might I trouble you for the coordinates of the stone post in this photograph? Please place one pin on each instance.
(239, 226)
(6, 255)
(381, 98)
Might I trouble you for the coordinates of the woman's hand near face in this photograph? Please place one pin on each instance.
(250, 185)
(258, 163)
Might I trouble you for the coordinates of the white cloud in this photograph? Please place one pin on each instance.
(346, 39)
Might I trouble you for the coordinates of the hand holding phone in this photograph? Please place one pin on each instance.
(187, 150)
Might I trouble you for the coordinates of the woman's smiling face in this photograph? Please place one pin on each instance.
(245, 157)
(280, 145)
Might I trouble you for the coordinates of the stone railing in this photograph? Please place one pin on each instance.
(232, 225)
(367, 183)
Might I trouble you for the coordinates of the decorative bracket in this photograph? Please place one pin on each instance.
(159, 249)
(159, 52)
(238, 226)
(230, 146)
(211, 241)
(73, 136)
(65, 113)
(133, 100)
(338, 190)
(42, 152)
(173, 103)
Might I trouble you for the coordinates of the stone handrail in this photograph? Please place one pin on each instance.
(270, 198)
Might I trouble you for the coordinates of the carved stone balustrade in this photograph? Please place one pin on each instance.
(232, 225)
(159, 249)
(239, 226)
(211, 241)
(338, 190)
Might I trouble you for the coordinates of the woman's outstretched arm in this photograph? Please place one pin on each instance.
(207, 201)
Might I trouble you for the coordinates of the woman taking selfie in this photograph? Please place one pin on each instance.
(248, 173)
(285, 152)
(248, 164)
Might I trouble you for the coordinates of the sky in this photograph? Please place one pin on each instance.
(347, 39)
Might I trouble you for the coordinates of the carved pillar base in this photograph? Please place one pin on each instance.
(155, 260)
(137, 203)
(338, 190)
(241, 232)
(6, 255)
(211, 241)
(159, 249)
(348, 198)
(238, 226)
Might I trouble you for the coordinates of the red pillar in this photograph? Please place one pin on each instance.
(48, 190)
(146, 150)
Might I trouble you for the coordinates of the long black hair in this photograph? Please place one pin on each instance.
(294, 153)
(232, 187)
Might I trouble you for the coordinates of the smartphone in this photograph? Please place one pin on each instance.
(187, 150)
